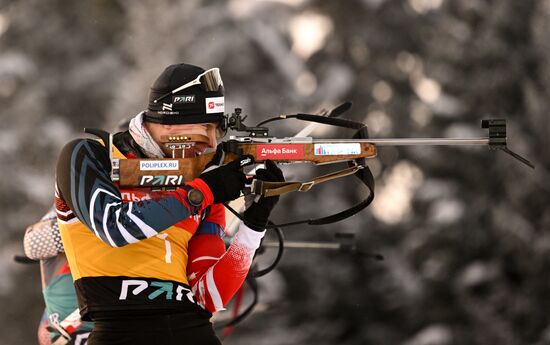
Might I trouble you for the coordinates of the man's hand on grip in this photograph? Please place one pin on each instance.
(257, 215)
(226, 181)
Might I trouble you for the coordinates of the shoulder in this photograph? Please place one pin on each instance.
(80, 157)
(83, 145)
(76, 150)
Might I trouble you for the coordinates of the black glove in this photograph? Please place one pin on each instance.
(257, 215)
(226, 181)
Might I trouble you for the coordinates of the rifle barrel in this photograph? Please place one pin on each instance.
(410, 141)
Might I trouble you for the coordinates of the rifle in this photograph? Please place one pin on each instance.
(169, 173)
(174, 171)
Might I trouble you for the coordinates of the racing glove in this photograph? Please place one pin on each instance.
(225, 181)
(257, 215)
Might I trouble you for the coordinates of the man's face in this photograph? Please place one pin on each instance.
(207, 129)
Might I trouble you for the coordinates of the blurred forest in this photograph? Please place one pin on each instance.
(464, 231)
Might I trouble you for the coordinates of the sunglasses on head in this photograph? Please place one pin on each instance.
(210, 81)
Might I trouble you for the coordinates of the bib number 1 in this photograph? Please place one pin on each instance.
(167, 246)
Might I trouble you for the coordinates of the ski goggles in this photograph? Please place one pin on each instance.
(210, 81)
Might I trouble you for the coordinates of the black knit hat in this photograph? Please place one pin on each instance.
(194, 104)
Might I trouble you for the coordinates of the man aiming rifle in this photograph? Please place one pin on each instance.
(150, 266)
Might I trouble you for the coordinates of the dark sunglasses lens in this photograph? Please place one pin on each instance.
(211, 80)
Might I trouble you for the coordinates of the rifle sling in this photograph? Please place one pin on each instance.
(364, 174)
(267, 189)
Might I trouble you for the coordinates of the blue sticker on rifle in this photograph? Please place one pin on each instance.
(337, 149)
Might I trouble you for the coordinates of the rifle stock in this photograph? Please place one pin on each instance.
(174, 172)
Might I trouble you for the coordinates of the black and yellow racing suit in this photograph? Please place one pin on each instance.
(128, 249)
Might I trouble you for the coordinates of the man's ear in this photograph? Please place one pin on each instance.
(212, 136)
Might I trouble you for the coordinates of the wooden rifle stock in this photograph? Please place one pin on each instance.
(173, 172)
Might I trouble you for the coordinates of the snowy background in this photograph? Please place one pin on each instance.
(465, 231)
